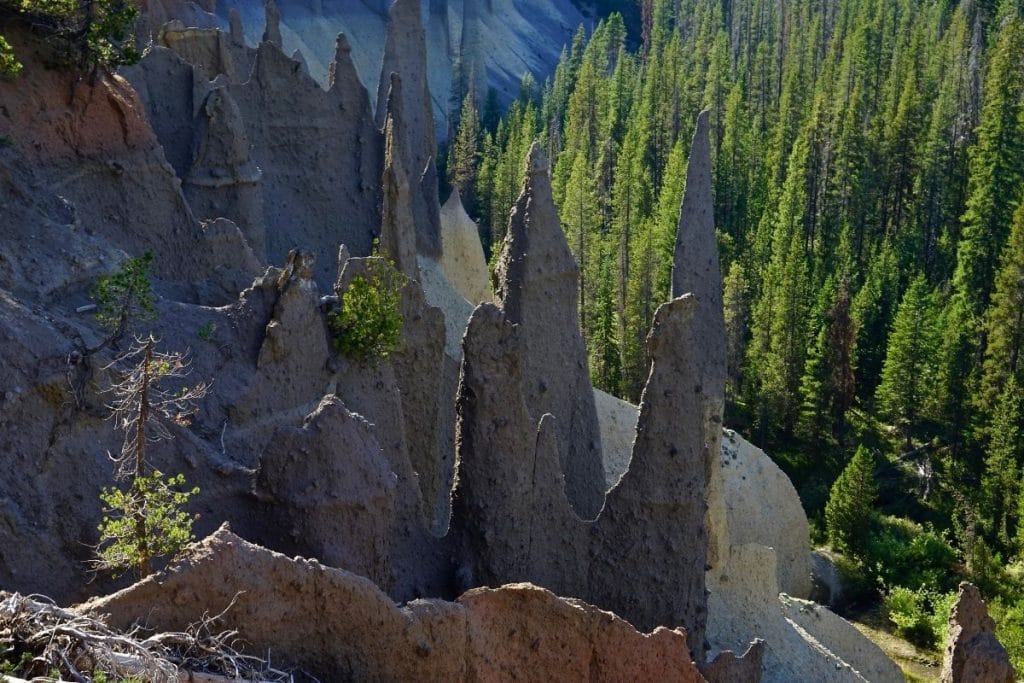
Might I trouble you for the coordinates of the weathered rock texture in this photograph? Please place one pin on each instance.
(339, 626)
(643, 557)
(398, 227)
(318, 154)
(695, 270)
(328, 486)
(538, 286)
(761, 506)
(973, 654)
(497, 41)
(462, 257)
(803, 641)
(406, 101)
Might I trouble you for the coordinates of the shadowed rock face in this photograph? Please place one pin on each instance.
(223, 181)
(338, 502)
(643, 557)
(537, 285)
(973, 654)
(320, 157)
(398, 227)
(318, 151)
(339, 626)
(408, 107)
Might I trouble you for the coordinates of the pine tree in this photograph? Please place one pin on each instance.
(908, 377)
(1004, 320)
(1000, 483)
(463, 154)
(736, 304)
(850, 508)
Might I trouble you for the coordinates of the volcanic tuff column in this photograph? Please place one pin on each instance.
(405, 54)
(654, 516)
(320, 155)
(538, 282)
(696, 270)
(398, 227)
(223, 180)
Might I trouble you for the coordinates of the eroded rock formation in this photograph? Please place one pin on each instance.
(538, 287)
(695, 269)
(973, 654)
(409, 108)
(339, 626)
(462, 257)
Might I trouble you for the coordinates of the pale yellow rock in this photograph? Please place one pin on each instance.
(462, 256)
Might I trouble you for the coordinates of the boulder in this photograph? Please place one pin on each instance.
(462, 254)
(537, 285)
(338, 626)
(973, 654)
(762, 507)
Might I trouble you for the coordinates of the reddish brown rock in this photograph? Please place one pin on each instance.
(973, 654)
(338, 626)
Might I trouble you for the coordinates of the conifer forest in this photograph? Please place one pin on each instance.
(868, 164)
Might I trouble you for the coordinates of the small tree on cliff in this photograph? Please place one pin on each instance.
(146, 520)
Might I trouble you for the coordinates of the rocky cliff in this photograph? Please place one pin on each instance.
(429, 484)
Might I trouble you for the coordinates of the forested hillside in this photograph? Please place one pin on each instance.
(868, 177)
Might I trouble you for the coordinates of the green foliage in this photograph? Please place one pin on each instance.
(9, 65)
(88, 34)
(850, 508)
(367, 325)
(909, 373)
(900, 552)
(125, 295)
(206, 331)
(143, 521)
(921, 616)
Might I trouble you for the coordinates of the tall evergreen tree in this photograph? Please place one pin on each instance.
(908, 376)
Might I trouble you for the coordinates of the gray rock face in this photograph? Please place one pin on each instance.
(398, 227)
(498, 40)
(337, 502)
(409, 109)
(223, 181)
(643, 557)
(318, 152)
(537, 285)
(973, 654)
(655, 514)
(695, 269)
(272, 30)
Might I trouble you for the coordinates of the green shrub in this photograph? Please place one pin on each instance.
(124, 295)
(368, 322)
(9, 65)
(1009, 617)
(901, 552)
(921, 616)
(87, 33)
